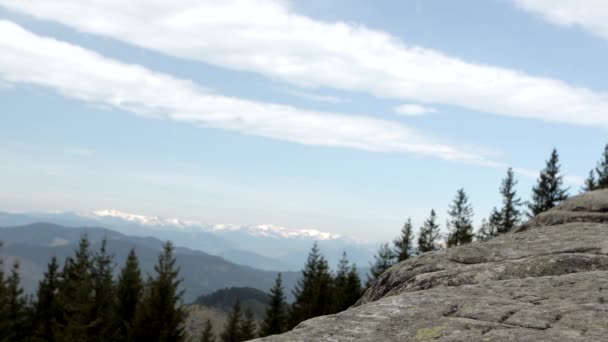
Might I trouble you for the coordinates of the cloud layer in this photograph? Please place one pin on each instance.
(266, 37)
(592, 15)
(82, 74)
(413, 110)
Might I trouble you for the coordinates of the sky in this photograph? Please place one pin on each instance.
(346, 116)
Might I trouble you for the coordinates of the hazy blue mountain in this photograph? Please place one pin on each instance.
(259, 246)
(34, 244)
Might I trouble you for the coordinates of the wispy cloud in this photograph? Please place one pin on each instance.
(316, 97)
(591, 15)
(82, 74)
(267, 37)
(413, 110)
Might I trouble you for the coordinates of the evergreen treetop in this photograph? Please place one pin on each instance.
(403, 243)
(590, 183)
(460, 223)
(602, 170)
(313, 290)
(275, 320)
(548, 191)
(510, 213)
(429, 234)
(232, 329)
(383, 260)
(160, 316)
(248, 327)
(129, 291)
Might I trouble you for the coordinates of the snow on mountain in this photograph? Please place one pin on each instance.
(258, 230)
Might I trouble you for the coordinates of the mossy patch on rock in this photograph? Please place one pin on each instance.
(427, 334)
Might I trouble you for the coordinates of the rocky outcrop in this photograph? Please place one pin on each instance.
(545, 281)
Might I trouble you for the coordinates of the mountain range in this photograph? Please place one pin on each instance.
(34, 245)
(266, 246)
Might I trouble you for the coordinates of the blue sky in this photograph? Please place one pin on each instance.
(343, 116)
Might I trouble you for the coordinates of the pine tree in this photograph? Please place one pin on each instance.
(207, 334)
(313, 290)
(104, 298)
(403, 244)
(275, 320)
(128, 294)
(17, 309)
(429, 234)
(232, 328)
(353, 287)
(247, 329)
(383, 260)
(347, 285)
(489, 227)
(590, 182)
(76, 296)
(602, 170)
(46, 308)
(460, 223)
(160, 315)
(510, 213)
(548, 191)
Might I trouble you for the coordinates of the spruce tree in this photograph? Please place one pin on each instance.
(383, 260)
(460, 223)
(232, 329)
(46, 308)
(429, 234)
(489, 227)
(275, 320)
(590, 182)
(16, 306)
(403, 244)
(207, 334)
(247, 329)
(347, 285)
(76, 296)
(353, 287)
(160, 315)
(548, 191)
(105, 325)
(602, 170)
(510, 213)
(128, 294)
(313, 290)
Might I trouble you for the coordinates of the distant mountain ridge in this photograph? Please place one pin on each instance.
(260, 246)
(265, 230)
(34, 245)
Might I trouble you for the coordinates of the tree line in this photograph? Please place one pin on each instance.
(547, 193)
(319, 291)
(83, 302)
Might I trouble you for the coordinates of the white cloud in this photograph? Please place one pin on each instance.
(265, 36)
(592, 15)
(316, 97)
(413, 110)
(82, 74)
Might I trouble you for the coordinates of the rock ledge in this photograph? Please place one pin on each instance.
(545, 281)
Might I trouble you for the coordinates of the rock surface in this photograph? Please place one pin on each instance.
(545, 281)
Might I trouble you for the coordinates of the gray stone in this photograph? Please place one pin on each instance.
(545, 281)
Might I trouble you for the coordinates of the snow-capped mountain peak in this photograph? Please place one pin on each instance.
(260, 230)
